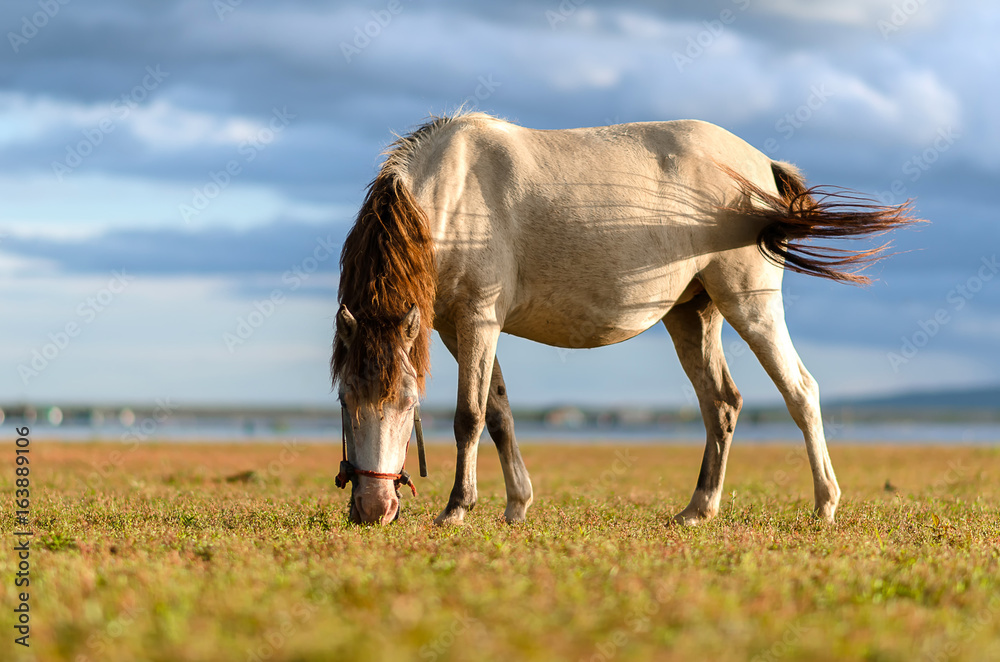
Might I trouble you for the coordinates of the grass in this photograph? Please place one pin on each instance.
(214, 552)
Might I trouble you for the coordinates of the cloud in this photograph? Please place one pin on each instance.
(816, 80)
(163, 338)
(272, 248)
(604, 63)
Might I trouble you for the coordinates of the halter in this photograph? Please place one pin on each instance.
(348, 471)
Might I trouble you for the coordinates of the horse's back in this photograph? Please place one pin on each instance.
(595, 232)
(658, 150)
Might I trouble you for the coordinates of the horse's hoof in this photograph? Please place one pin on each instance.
(515, 515)
(689, 517)
(447, 517)
(516, 511)
(825, 513)
(826, 503)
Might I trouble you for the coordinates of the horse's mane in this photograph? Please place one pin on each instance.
(386, 268)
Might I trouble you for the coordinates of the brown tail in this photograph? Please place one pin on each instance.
(821, 212)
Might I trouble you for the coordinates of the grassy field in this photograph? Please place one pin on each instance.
(219, 552)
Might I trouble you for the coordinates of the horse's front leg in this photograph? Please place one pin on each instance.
(474, 345)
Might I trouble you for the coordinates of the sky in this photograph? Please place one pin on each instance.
(176, 179)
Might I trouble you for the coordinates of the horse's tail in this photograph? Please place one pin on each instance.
(799, 213)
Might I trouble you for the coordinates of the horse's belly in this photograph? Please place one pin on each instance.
(594, 318)
(564, 331)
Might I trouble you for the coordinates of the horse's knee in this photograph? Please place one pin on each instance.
(468, 423)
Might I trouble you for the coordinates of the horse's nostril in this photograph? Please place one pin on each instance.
(390, 515)
(374, 510)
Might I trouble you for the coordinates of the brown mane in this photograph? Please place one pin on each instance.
(386, 268)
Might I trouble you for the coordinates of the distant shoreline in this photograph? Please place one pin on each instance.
(889, 434)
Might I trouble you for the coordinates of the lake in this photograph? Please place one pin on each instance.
(439, 432)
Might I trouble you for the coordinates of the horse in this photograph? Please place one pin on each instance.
(575, 238)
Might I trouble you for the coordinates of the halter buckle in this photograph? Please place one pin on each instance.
(346, 474)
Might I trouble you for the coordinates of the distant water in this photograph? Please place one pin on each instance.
(881, 433)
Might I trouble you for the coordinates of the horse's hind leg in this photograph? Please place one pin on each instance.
(696, 329)
(500, 423)
(758, 316)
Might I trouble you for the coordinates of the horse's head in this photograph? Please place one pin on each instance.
(379, 390)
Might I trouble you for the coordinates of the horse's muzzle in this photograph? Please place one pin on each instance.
(374, 502)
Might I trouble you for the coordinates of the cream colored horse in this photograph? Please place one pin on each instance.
(575, 238)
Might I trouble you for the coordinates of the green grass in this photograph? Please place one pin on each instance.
(181, 553)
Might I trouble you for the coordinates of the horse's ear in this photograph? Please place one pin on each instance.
(410, 327)
(347, 326)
